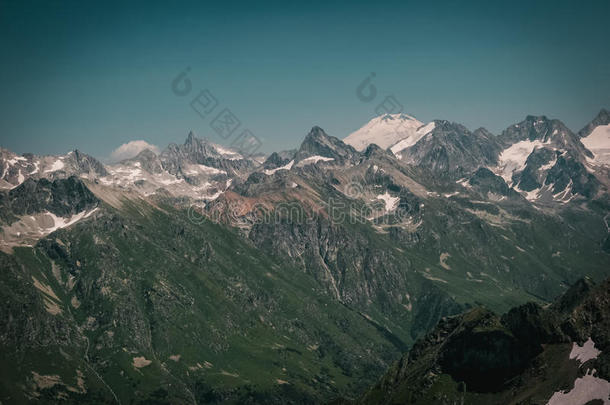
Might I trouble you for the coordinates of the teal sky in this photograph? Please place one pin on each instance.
(78, 75)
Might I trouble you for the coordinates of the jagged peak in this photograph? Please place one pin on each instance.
(542, 121)
(318, 142)
(317, 132)
(80, 155)
(193, 140)
(446, 125)
(538, 127)
(318, 135)
(190, 138)
(602, 118)
(277, 159)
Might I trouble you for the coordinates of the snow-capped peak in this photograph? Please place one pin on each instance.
(598, 142)
(384, 131)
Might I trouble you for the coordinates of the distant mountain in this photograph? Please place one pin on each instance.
(35, 209)
(385, 131)
(278, 159)
(317, 146)
(202, 152)
(545, 160)
(16, 169)
(596, 138)
(451, 148)
(197, 169)
(602, 118)
(539, 157)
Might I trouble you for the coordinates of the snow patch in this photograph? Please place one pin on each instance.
(227, 153)
(598, 142)
(30, 228)
(549, 165)
(57, 165)
(170, 181)
(464, 183)
(566, 194)
(61, 222)
(203, 169)
(20, 177)
(586, 389)
(390, 202)
(412, 140)
(530, 195)
(14, 160)
(287, 166)
(513, 158)
(585, 352)
(35, 169)
(313, 159)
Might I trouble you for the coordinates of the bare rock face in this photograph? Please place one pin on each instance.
(63, 197)
(318, 143)
(199, 151)
(453, 150)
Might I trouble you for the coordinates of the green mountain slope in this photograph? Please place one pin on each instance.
(141, 303)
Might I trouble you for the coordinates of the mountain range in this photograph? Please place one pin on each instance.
(202, 275)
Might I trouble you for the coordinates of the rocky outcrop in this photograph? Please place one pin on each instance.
(451, 149)
(62, 197)
(200, 151)
(318, 143)
(479, 355)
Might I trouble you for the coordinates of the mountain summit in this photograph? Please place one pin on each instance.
(386, 130)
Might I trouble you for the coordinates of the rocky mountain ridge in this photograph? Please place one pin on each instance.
(538, 157)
